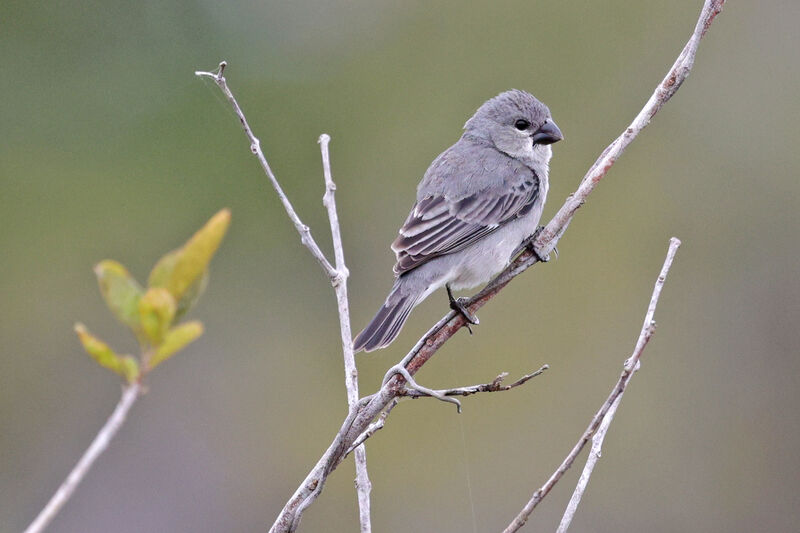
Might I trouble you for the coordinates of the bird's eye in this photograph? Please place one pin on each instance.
(522, 124)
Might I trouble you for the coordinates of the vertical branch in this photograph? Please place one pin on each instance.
(129, 395)
(604, 415)
(363, 484)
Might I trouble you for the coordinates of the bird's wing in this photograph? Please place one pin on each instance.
(438, 225)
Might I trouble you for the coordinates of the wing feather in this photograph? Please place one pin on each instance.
(438, 225)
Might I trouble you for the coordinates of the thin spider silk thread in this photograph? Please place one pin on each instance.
(466, 472)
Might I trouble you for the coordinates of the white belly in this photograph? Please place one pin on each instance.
(481, 261)
(487, 257)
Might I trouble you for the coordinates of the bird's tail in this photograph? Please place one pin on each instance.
(387, 323)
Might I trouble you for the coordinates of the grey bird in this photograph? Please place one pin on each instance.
(479, 200)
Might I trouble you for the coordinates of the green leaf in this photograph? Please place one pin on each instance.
(176, 339)
(192, 295)
(124, 365)
(120, 291)
(182, 271)
(162, 271)
(156, 312)
(196, 254)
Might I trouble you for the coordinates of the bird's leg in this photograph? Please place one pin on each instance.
(528, 243)
(457, 305)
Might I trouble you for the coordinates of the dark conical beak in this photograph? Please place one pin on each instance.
(548, 133)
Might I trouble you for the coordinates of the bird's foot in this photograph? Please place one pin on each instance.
(457, 305)
(529, 245)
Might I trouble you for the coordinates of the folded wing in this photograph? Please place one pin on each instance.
(438, 225)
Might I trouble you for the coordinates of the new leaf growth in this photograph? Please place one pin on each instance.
(175, 284)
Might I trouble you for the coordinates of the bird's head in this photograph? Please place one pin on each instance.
(517, 124)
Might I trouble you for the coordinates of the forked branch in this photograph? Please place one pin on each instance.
(603, 417)
(338, 275)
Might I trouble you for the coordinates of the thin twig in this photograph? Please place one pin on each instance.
(255, 148)
(594, 454)
(604, 415)
(368, 408)
(496, 385)
(129, 395)
(363, 484)
(631, 366)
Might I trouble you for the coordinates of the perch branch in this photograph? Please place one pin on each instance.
(363, 484)
(603, 416)
(130, 393)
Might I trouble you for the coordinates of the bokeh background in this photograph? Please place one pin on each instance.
(111, 148)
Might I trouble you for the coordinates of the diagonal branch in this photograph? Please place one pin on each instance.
(374, 427)
(130, 393)
(549, 236)
(368, 408)
(603, 416)
(255, 147)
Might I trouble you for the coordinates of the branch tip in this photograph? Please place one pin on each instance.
(602, 419)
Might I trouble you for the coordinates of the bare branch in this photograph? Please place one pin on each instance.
(631, 366)
(546, 239)
(363, 484)
(377, 425)
(130, 393)
(367, 409)
(603, 416)
(495, 385)
(594, 455)
(255, 147)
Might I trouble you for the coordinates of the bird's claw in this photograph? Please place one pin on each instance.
(457, 305)
(528, 244)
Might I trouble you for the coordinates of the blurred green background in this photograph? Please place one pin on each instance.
(111, 148)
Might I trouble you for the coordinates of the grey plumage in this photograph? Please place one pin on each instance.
(475, 205)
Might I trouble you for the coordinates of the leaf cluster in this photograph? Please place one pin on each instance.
(174, 286)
